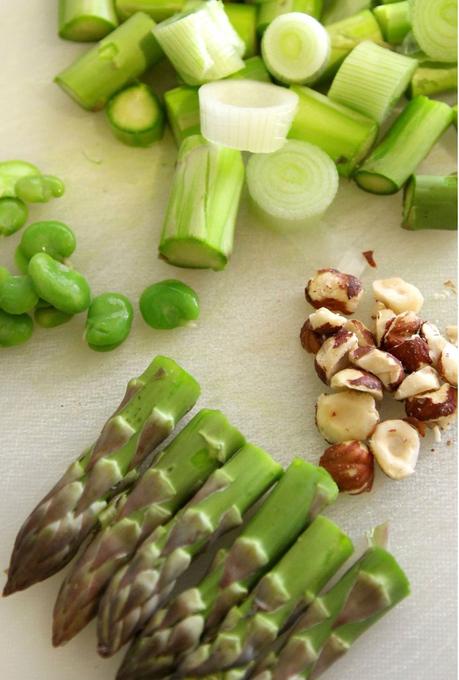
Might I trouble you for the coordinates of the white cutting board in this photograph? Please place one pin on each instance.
(55, 392)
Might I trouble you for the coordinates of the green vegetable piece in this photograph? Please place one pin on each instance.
(157, 9)
(135, 116)
(21, 261)
(4, 274)
(430, 202)
(51, 237)
(11, 172)
(62, 287)
(50, 317)
(108, 322)
(169, 304)
(39, 188)
(17, 294)
(13, 215)
(243, 19)
(14, 329)
(86, 20)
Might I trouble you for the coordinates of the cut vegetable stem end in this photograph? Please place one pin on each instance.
(86, 20)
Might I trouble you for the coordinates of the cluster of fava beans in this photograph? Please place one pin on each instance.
(404, 356)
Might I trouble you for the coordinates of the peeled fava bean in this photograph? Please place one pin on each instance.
(356, 379)
(17, 294)
(395, 444)
(334, 290)
(398, 295)
(345, 416)
(62, 287)
(351, 465)
(39, 188)
(13, 215)
(51, 237)
(382, 364)
(169, 304)
(424, 380)
(50, 317)
(333, 356)
(109, 321)
(434, 408)
(15, 329)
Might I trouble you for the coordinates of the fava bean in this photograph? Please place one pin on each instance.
(14, 329)
(4, 274)
(64, 288)
(50, 317)
(108, 322)
(39, 188)
(21, 261)
(54, 238)
(17, 294)
(13, 215)
(11, 172)
(169, 304)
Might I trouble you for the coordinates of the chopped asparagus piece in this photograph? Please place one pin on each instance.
(86, 20)
(135, 115)
(430, 202)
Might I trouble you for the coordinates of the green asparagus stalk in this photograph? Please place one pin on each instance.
(433, 78)
(112, 64)
(182, 103)
(344, 134)
(406, 144)
(180, 470)
(53, 532)
(136, 590)
(243, 19)
(369, 590)
(178, 628)
(157, 9)
(86, 20)
(270, 9)
(394, 20)
(337, 10)
(281, 594)
(345, 35)
(430, 202)
(198, 229)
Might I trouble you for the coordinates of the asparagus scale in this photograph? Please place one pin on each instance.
(195, 613)
(136, 590)
(205, 443)
(53, 532)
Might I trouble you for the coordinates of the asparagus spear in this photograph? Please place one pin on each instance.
(280, 595)
(178, 628)
(430, 202)
(139, 588)
(433, 78)
(53, 532)
(86, 20)
(206, 442)
(157, 9)
(368, 591)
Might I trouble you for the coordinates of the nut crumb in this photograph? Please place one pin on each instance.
(369, 256)
(449, 442)
(451, 286)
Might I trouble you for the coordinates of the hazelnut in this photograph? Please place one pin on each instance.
(395, 444)
(346, 415)
(434, 408)
(356, 379)
(402, 327)
(447, 363)
(451, 334)
(413, 353)
(382, 364)
(334, 354)
(424, 380)
(335, 290)
(325, 322)
(365, 337)
(383, 320)
(310, 340)
(434, 339)
(351, 465)
(398, 295)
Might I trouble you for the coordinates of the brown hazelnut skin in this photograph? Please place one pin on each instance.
(401, 328)
(351, 465)
(413, 353)
(349, 284)
(424, 408)
(310, 340)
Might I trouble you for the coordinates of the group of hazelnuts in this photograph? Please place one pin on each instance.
(403, 355)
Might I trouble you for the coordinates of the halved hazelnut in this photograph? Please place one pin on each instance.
(356, 379)
(402, 327)
(325, 322)
(424, 380)
(365, 337)
(351, 465)
(383, 320)
(434, 408)
(310, 340)
(413, 353)
(398, 295)
(335, 290)
(395, 444)
(435, 340)
(447, 363)
(451, 334)
(382, 364)
(334, 354)
(346, 415)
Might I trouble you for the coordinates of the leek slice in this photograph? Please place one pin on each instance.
(295, 48)
(201, 43)
(246, 115)
(293, 185)
(372, 79)
(435, 28)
